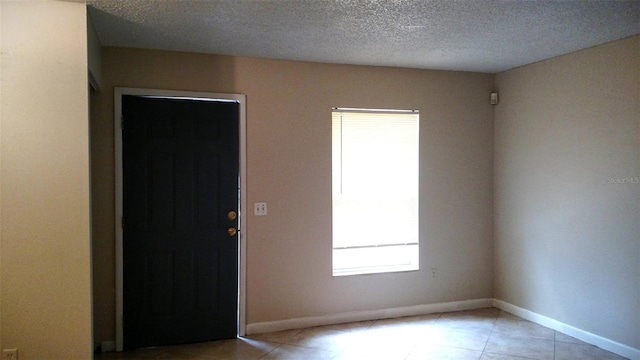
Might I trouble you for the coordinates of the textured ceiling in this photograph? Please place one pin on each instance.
(468, 35)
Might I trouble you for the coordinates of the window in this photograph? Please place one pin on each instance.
(375, 190)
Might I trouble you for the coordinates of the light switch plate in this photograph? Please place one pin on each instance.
(260, 209)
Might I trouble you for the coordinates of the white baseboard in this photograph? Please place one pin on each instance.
(599, 341)
(340, 318)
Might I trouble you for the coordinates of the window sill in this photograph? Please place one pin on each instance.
(374, 260)
(374, 270)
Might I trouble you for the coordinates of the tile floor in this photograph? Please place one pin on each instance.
(482, 334)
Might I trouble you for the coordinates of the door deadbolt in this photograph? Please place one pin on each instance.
(232, 215)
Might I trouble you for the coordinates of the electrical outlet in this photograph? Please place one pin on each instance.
(10, 354)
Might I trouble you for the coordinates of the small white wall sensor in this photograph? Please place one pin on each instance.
(494, 98)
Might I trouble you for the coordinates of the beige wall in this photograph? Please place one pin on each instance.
(289, 166)
(94, 50)
(567, 240)
(45, 274)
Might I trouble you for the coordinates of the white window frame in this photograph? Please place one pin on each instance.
(361, 256)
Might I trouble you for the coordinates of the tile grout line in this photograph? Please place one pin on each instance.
(555, 334)
(489, 337)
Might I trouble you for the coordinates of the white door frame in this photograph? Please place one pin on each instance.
(242, 238)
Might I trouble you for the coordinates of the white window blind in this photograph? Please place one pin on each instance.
(375, 190)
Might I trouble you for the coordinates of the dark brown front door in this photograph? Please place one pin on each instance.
(180, 197)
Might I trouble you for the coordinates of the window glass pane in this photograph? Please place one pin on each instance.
(375, 186)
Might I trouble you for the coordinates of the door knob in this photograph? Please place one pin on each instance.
(232, 231)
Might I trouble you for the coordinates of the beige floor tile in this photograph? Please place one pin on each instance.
(369, 355)
(388, 336)
(560, 337)
(381, 343)
(430, 351)
(522, 328)
(508, 315)
(470, 339)
(278, 337)
(568, 351)
(481, 319)
(151, 353)
(491, 356)
(286, 352)
(407, 321)
(244, 349)
(352, 326)
(419, 320)
(233, 349)
(489, 312)
(323, 338)
(373, 351)
(520, 346)
(391, 321)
